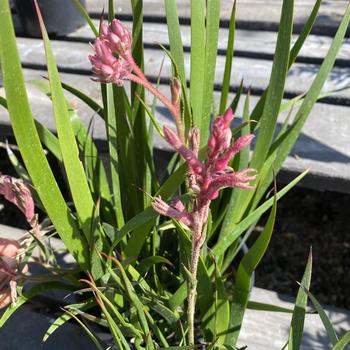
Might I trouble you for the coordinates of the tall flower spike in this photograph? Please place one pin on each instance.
(205, 179)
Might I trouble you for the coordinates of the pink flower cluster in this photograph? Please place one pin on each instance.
(9, 249)
(16, 192)
(111, 61)
(207, 178)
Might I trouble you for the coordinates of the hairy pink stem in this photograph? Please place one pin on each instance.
(140, 78)
(198, 238)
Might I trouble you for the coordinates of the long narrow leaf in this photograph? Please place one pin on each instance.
(29, 144)
(298, 318)
(75, 172)
(86, 329)
(84, 13)
(211, 47)
(197, 61)
(276, 86)
(115, 168)
(175, 40)
(341, 344)
(243, 278)
(62, 319)
(228, 62)
(332, 335)
(256, 114)
(86, 99)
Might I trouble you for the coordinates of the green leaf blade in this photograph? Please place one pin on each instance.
(74, 169)
(29, 143)
(298, 317)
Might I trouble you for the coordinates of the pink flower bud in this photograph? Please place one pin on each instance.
(195, 165)
(9, 247)
(104, 28)
(178, 205)
(239, 179)
(16, 192)
(106, 67)
(123, 45)
(194, 140)
(175, 88)
(212, 143)
(5, 298)
(222, 162)
(165, 209)
(172, 138)
(228, 117)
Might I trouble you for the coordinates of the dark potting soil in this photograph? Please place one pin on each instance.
(308, 218)
(305, 218)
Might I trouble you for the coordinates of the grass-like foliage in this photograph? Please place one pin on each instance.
(153, 257)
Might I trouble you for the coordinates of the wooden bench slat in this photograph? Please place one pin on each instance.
(253, 14)
(250, 43)
(73, 56)
(323, 144)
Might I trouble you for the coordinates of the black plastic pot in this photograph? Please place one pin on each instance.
(60, 16)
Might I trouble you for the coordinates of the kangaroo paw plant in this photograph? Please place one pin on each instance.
(157, 248)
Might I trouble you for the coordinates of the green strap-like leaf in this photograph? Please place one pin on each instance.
(197, 60)
(83, 12)
(228, 62)
(245, 270)
(74, 169)
(175, 40)
(62, 319)
(298, 318)
(211, 48)
(115, 167)
(276, 86)
(31, 293)
(332, 335)
(29, 144)
(256, 114)
(216, 320)
(86, 99)
(341, 344)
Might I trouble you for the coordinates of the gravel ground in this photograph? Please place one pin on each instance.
(305, 218)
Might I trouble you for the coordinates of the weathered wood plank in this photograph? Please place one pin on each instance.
(263, 330)
(322, 146)
(249, 43)
(252, 14)
(73, 57)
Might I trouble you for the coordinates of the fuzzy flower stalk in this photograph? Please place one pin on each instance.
(205, 179)
(113, 63)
